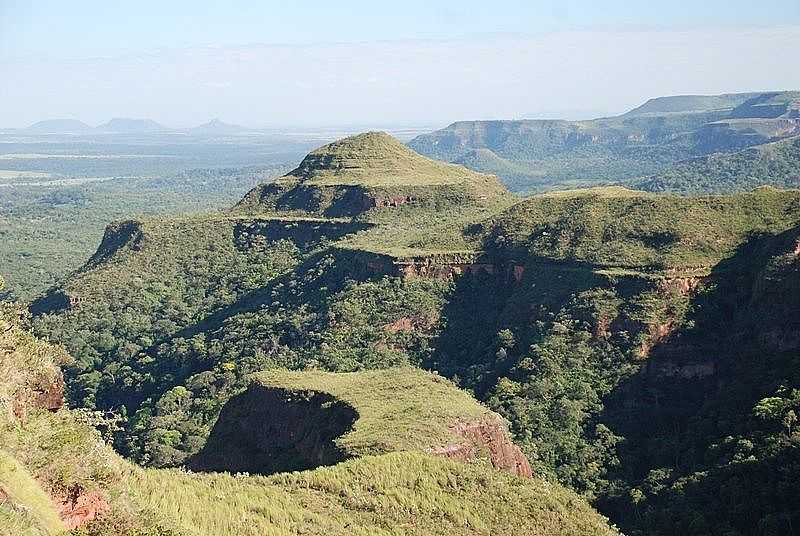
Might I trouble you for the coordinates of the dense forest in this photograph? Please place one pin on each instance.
(58, 475)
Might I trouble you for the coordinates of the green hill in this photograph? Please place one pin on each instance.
(691, 103)
(617, 228)
(368, 171)
(770, 105)
(412, 204)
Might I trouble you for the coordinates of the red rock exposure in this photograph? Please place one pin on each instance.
(45, 394)
(487, 437)
(656, 334)
(51, 396)
(369, 202)
(410, 324)
(684, 285)
(76, 507)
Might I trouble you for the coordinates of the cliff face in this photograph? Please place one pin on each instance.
(267, 430)
(487, 438)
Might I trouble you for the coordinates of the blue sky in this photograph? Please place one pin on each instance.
(80, 28)
(335, 62)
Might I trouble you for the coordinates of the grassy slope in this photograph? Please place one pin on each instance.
(393, 494)
(25, 509)
(618, 228)
(376, 159)
(399, 409)
(446, 197)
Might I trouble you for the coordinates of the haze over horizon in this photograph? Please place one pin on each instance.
(365, 64)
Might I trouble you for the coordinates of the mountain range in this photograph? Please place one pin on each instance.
(122, 125)
(632, 353)
(662, 134)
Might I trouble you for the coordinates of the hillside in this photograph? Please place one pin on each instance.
(542, 155)
(421, 203)
(579, 316)
(775, 164)
(691, 103)
(57, 474)
(615, 228)
(300, 420)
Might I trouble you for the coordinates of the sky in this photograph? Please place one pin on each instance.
(265, 63)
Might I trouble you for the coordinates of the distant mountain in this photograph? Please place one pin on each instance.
(217, 127)
(122, 124)
(643, 142)
(691, 103)
(58, 126)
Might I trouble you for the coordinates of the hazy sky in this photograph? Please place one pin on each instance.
(266, 63)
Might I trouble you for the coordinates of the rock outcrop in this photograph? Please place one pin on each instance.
(78, 507)
(487, 437)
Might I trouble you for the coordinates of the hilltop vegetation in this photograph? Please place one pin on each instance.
(398, 409)
(374, 179)
(623, 229)
(537, 155)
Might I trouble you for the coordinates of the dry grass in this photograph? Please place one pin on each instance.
(399, 409)
(394, 494)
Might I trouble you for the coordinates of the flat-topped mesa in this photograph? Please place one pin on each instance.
(369, 171)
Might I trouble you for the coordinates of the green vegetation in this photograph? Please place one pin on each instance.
(376, 159)
(642, 346)
(538, 155)
(393, 494)
(375, 179)
(623, 229)
(406, 493)
(47, 232)
(692, 103)
(398, 409)
(25, 508)
(775, 164)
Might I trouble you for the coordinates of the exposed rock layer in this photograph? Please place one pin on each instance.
(487, 437)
